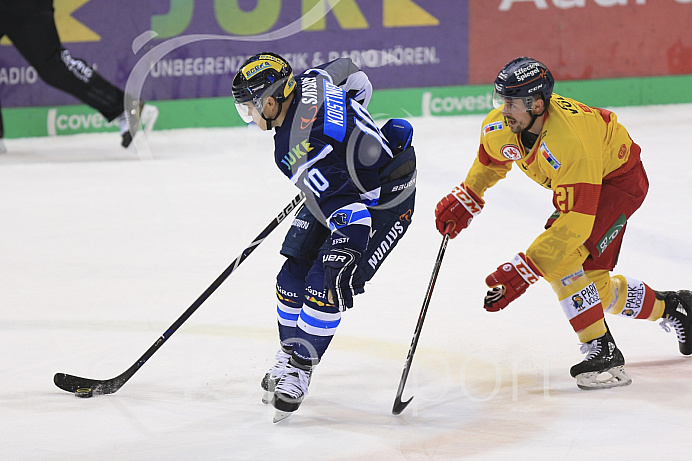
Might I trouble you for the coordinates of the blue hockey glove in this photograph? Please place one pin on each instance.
(342, 277)
(399, 134)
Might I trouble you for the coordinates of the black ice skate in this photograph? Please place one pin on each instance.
(602, 356)
(678, 316)
(291, 390)
(144, 117)
(274, 374)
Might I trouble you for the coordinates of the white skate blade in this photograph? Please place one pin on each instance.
(267, 397)
(147, 120)
(615, 377)
(148, 117)
(2, 147)
(281, 415)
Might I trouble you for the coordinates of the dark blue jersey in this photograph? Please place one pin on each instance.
(329, 146)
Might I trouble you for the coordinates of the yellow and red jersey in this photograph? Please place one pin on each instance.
(578, 147)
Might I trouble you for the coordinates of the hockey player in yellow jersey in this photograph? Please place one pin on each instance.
(592, 166)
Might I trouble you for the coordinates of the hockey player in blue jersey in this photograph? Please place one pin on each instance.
(360, 186)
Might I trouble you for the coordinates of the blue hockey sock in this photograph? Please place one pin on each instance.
(317, 321)
(290, 288)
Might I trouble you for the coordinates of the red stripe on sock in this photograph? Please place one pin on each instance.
(647, 304)
(587, 318)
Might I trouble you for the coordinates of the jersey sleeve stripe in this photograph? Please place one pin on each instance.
(302, 168)
(585, 198)
(355, 213)
(371, 197)
(486, 159)
(366, 129)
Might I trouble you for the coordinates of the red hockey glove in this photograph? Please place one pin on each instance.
(457, 209)
(510, 281)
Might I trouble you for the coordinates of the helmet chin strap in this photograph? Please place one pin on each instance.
(528, 138)
(533, 120)
(270, 120)
(534, 117)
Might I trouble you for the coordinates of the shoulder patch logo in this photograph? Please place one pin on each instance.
(306, 123)
(490, 127)
(548, 156)
(340, 219)
(511, 152)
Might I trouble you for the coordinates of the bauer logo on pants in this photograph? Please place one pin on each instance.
(611, 234)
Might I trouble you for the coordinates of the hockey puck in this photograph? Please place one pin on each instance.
(84, 392)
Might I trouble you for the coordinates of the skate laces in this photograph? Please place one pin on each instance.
(671, 323)
(294, 383)
(672, 320)
(591, 349)
(281, 361)
(122, 123)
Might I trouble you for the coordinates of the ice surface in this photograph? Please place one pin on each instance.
(100, 252)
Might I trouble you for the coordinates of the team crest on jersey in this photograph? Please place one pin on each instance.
(550, 158)
(340, 219)
(510, 152)
(490, 127)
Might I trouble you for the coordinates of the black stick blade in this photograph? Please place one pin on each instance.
(400, 406)
(71, 383)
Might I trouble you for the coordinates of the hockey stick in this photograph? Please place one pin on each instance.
(399, 405)
(71, 383)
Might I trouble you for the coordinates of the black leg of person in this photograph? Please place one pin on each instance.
(400, 405)
(88, 387)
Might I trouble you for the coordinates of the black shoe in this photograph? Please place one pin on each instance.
(602, 356)
(291, 389)
(126, 139)
(275, 373)
(145, 118)
(677, 315)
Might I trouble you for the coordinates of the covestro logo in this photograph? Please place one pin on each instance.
(81, 122)
(455, 104)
